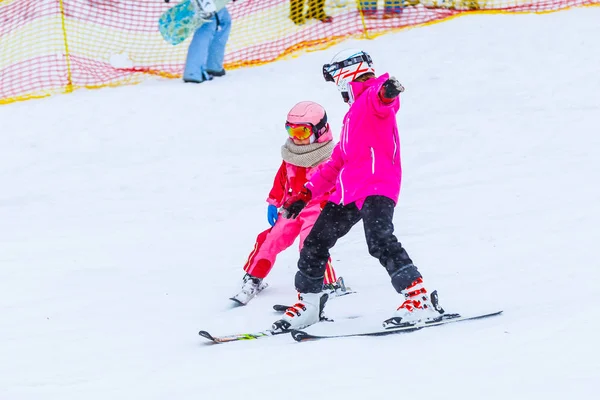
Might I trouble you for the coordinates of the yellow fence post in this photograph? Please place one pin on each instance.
(69, 87)
(360, 5)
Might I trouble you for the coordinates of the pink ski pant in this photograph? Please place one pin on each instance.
(281, 236)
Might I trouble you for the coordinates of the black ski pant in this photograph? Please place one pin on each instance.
(334, 222)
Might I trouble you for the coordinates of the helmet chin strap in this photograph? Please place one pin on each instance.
(346, 91)
(348, 97)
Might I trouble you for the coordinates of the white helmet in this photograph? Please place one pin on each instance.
(346, 66)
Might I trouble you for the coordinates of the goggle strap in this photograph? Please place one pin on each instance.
(321, 123)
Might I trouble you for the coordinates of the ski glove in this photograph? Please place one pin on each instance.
(272, 214)
(390, 90)
(295, 204)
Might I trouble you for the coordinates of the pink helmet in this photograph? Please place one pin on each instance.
(309, 112)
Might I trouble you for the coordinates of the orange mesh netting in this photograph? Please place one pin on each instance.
(54, 46)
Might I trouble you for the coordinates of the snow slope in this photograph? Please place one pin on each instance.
(128, 213)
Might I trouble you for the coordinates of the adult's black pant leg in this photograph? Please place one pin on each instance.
(334, 222)
(378, 214)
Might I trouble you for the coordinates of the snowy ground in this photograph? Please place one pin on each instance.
(128, 213)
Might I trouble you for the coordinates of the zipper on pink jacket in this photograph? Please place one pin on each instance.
(342, 186)
(344, 138)
(395, 149)
(372, 161)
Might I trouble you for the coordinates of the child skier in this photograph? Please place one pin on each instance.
(308, 145)
(365, 170)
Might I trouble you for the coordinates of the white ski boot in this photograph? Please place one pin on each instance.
(418, 307)
(251, 286)
(308, 311)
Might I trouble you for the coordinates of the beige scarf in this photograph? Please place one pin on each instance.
(307, 155)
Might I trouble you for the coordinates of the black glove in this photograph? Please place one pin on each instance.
(391, 88)
(296, 204)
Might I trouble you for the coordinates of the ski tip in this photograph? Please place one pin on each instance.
(300, 336)
(206, 335)
(486, 315)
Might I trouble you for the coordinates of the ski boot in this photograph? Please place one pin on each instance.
(418, 307)
(308, 311)
(251, 286)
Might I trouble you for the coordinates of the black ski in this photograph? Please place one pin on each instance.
(301, 336)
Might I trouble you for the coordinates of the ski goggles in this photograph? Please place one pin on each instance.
(330, 69)
(300, 131)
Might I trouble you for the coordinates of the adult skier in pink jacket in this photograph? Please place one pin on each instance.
(365, 170)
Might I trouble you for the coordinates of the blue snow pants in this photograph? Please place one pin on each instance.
(207, 48)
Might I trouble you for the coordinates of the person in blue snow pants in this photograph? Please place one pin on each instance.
(207, 49)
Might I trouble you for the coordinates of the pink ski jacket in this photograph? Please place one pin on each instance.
(366, 160)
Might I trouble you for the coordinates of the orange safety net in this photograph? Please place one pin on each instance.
(55, 46)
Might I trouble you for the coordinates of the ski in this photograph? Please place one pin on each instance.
(238, 336)
(256, 335)
(301, 336)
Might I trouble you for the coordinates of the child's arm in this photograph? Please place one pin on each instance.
(320, 183)
(277, 193)
(324, 179)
